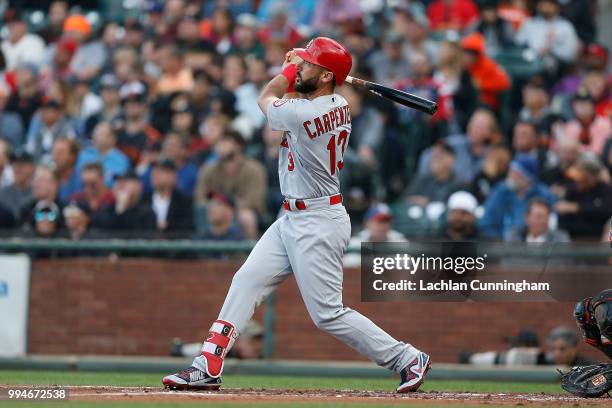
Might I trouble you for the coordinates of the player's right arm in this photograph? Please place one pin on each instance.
(279, 85)
(274, 90)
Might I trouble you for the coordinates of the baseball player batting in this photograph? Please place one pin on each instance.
(309, 240)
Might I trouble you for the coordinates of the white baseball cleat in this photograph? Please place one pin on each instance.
(413, 375)
(191, 378)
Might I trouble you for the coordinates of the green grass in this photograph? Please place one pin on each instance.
(86, 404)
(36, 377)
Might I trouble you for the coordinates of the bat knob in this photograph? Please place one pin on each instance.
(433, 109)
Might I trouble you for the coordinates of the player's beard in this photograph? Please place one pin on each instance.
(306, 86)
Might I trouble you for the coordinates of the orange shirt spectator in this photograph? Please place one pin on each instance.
(452, 14)
(489, 78)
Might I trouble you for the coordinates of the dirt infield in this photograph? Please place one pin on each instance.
(263, 396)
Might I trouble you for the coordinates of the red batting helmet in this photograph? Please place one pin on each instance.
(329, 54)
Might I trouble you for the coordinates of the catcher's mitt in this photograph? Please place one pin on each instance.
(588, 381)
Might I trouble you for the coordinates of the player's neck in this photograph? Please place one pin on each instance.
(319, 92)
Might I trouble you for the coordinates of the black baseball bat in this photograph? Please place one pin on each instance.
(403, 98)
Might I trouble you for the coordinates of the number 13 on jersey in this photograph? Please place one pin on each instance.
(331, 146)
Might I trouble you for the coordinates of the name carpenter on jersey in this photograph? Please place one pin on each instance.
(328, 122)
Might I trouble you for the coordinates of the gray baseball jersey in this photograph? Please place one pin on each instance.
(316, 135)
(310, 243)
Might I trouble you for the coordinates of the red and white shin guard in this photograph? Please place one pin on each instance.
(221, 338)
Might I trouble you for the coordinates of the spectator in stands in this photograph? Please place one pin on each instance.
(45, 220)
(44, 188)
(567, 152)
(86, 104)
(493, 170)
(211, 131)
(497, 32)
(302, 11)
(536, 229)
(94, 194)
(188, 34)
(51, 124)
(21, 47)
(7, 218)
(586, 205)
(331, 15)
(105, 152)
(461, 218)
(506, 206)
(594, 58)
(420, 83)
(241, 177)
(27, 98)
(581, 14)
(456, 93)
(182, 120)
(58, 12)
(91, 55)
(77, 217)
(455, 15)
(174, 149)
(59, 68)
(391, 63)
(562, 348)
(200, 95)
(378, 220)
(18, 194)
(361, 155)
(11, 127)
(246, 37)
(590, 129)
(173, 210)
(222, 224)
(269, 157)
(490, 78)
(376, 228)
(217, 31)
(525, 141)
(176, 77)
(111, 111)
(128, 216)
(257, 77)
(410, 19)
(469, 149)
(536, 106)
(439, 183)
(64, 155)
(136, 133)
(279, 28)
(550, 36)
(597, 85)
(6, 171)
(607, 156)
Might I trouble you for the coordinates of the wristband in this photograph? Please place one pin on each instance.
(290, 72)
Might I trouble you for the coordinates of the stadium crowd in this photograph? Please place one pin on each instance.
(144, 122)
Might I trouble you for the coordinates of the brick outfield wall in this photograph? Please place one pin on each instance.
(137, 306)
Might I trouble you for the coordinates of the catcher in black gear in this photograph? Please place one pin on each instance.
(594, 318)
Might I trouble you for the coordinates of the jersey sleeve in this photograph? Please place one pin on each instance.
(283, 114)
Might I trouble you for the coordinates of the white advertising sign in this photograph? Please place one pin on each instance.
(14, 297)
